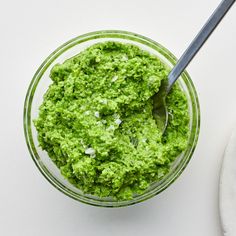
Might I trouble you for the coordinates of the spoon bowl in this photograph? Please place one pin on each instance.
(160, 112)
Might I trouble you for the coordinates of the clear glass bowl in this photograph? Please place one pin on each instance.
(40, 83)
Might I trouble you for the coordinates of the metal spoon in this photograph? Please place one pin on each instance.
(160, 112)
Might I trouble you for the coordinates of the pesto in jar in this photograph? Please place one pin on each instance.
(96, 120)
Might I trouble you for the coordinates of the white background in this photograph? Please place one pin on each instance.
(29, 32)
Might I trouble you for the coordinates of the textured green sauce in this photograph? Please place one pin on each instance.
(96, 121)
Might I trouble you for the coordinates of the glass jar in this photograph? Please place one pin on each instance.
(40, 83)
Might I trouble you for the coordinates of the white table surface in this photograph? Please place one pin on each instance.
(29, 31)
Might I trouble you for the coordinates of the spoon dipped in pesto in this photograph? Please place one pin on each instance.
(160, 112)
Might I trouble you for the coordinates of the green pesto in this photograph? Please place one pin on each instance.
(96, 121)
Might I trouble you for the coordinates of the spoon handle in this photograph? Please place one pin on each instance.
(198, 41)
